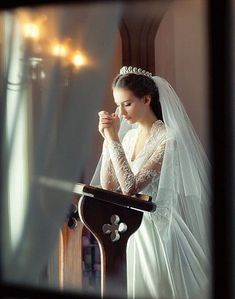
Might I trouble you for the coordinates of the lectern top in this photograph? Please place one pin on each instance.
(117, 198)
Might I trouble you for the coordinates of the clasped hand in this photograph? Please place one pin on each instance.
(109, 125)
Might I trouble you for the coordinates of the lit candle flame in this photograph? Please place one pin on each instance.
(78, 60)
(31, 31)
(59, 50)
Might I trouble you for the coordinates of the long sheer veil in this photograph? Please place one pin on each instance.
(186, 168)
(182, 217)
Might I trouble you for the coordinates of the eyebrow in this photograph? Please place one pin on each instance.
(123, 102)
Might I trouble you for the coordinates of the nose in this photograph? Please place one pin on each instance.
(122, 111)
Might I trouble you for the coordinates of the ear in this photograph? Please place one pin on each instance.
(147, 99)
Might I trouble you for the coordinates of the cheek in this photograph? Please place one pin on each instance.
(131, 110)
(138, 109)
(133, 107)
(134, 111)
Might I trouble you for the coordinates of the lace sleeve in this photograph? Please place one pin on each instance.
(108, 177)
(130, 183)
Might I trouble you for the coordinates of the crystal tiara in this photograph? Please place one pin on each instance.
(135, 70)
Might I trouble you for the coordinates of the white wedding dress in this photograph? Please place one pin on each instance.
(166, 257)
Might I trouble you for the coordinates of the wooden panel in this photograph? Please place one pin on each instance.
(139, 25)
(71, 257)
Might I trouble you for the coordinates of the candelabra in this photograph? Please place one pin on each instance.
(39, 51)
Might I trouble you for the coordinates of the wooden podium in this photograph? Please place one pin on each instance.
(112, 218)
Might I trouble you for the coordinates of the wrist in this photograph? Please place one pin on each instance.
(111, 136)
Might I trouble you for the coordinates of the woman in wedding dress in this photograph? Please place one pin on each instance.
(161, 156)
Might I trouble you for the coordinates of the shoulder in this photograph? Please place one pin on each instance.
(159, 131)
(162, 134)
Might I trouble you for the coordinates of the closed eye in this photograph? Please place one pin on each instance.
(124, 104)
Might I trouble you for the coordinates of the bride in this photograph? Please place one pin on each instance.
(161, 156)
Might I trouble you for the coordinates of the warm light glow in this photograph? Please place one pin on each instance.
(31, 30)
(78, 60)
(59, 50)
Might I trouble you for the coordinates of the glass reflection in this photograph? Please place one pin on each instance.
(58, 64)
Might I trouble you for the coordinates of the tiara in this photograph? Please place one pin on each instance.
(135, 70)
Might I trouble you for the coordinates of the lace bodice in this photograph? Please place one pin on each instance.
(118, 171)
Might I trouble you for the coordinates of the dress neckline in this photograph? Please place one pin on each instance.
(155, 125)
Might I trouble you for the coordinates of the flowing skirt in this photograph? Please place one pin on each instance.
(165, 261)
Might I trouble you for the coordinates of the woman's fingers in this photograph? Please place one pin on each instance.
(105, 117)
(106, 121)
(103, 114)
(104, 125)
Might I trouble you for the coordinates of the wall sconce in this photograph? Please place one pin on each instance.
(36, 47)
(33, 62)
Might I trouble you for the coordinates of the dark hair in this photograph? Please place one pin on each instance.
(140, 85)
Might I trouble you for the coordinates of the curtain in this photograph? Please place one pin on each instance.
(49, 127)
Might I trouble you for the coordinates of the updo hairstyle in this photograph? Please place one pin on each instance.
(140, 85)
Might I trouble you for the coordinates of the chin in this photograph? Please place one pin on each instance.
(130, 120)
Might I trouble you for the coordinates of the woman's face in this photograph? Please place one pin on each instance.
(131, 108)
